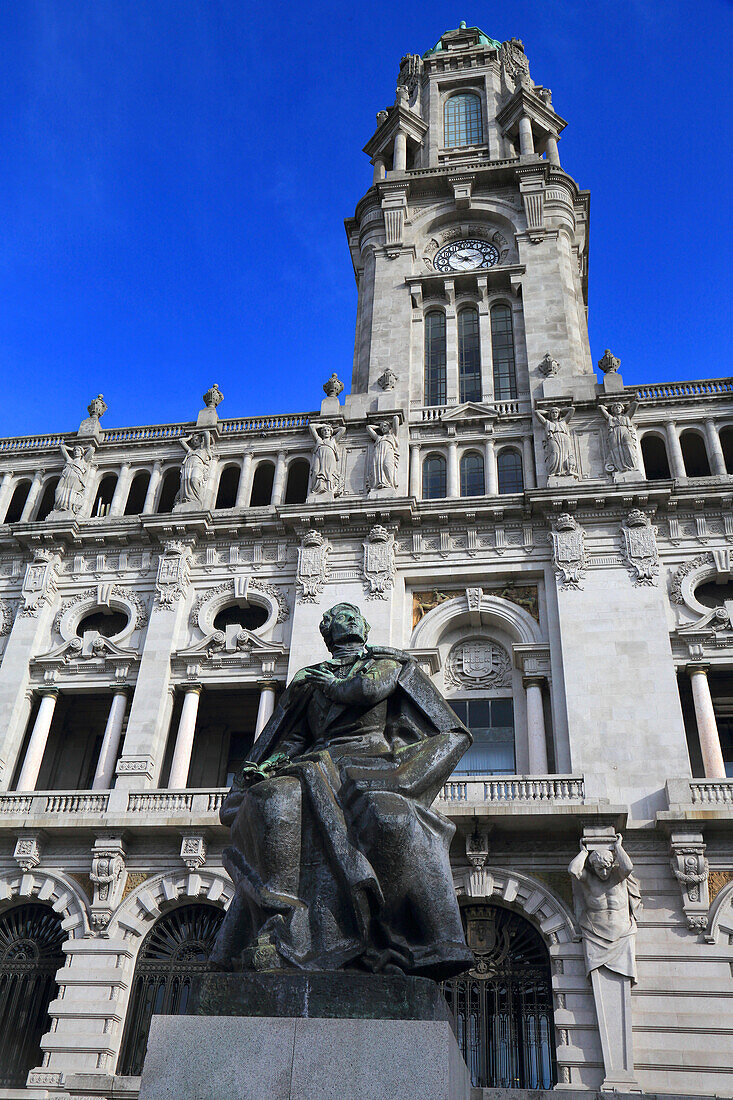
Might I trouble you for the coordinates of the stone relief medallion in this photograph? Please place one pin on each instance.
(478, 663)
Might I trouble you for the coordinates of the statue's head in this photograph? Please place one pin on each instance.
(601, 862)
(617, 409)
(385, 427)
(554, 413)
(196, 440)
(78, 452)
(343, 623)
(326, 431)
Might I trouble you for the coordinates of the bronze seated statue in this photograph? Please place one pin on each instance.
(337, 857)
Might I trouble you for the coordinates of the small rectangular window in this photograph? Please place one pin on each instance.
(491, 721)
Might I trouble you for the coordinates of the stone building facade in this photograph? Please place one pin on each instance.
(554, 547)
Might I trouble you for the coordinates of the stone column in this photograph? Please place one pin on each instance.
(153, 485)
(184, 738)
(707, 727)
(536, 742)
(399, 158)
(266, 705)
(676, 461)
(528, 462)
(551, 150)
(492, 481)
(30, 501)
(104, 775)
(278, 484)
(245, 481)
(39, 737)
(6, 492)
(715, 451)
(452, 395)
(526, 141)
(379, 169)
(415, 471)
(122, 488)
(454, 482)
(487, 361)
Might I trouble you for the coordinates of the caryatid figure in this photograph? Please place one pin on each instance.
(622, 441)
(326, 458)
(72, 484)
(560, 454)
(195, 468)
(385, 454)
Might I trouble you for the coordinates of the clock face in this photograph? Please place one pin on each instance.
(465, 256)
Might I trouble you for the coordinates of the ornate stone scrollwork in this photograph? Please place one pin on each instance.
(569, 555)
(29, 850)
(174, 574)
(7, 615)
(108, 875)
(640, 547)
(379, 563)
(313, 568)
(691, 869)
(193, 850)
(478, 663)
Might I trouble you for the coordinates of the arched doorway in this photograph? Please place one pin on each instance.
(503, 1006)
(31, 936)
(176, 948)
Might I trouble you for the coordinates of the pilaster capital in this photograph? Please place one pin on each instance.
(698, 666)
(47, 692)
(268, 685)
(192, 689)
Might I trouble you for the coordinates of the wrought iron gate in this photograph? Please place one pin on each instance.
(503, 1006)
(30, 954)
(176, 948)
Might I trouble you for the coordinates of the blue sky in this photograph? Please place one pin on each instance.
(175, 175)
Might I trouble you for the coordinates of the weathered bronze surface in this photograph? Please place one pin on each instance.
(337, 856)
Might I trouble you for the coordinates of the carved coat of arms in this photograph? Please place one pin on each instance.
(640, 547)
(568, 550)
(379, 563)
(312, 566)
(478, 663)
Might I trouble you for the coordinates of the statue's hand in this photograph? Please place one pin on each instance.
(321, 677)
(250, 773)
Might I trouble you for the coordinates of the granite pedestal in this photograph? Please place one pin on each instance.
(307, 1037)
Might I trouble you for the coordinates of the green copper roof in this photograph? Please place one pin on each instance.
(484, 39)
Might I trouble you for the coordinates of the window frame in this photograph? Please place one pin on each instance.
(466, 123)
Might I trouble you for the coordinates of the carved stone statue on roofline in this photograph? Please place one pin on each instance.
(338, 859)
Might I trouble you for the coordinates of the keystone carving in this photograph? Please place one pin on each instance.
(108, 875)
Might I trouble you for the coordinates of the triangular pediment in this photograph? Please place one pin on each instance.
(470, 410)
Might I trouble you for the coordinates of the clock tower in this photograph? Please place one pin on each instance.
(470, 247)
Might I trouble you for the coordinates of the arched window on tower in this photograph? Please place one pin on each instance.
(434, 477)
(469, 356)
(503, 1005)
(654, 455)
(509, 471)
(138, 492)
(47, 499)
(226, 494)
(435, 360)
(31, 938)
(502, 349)
(262, 483)
(105, 492)
(296, 487)
(472, 475)
(694, 454)
(462, 115)
(173, 952)
(17, 502)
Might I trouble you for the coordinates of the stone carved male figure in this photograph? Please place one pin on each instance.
(337, 857)
(608, 901)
